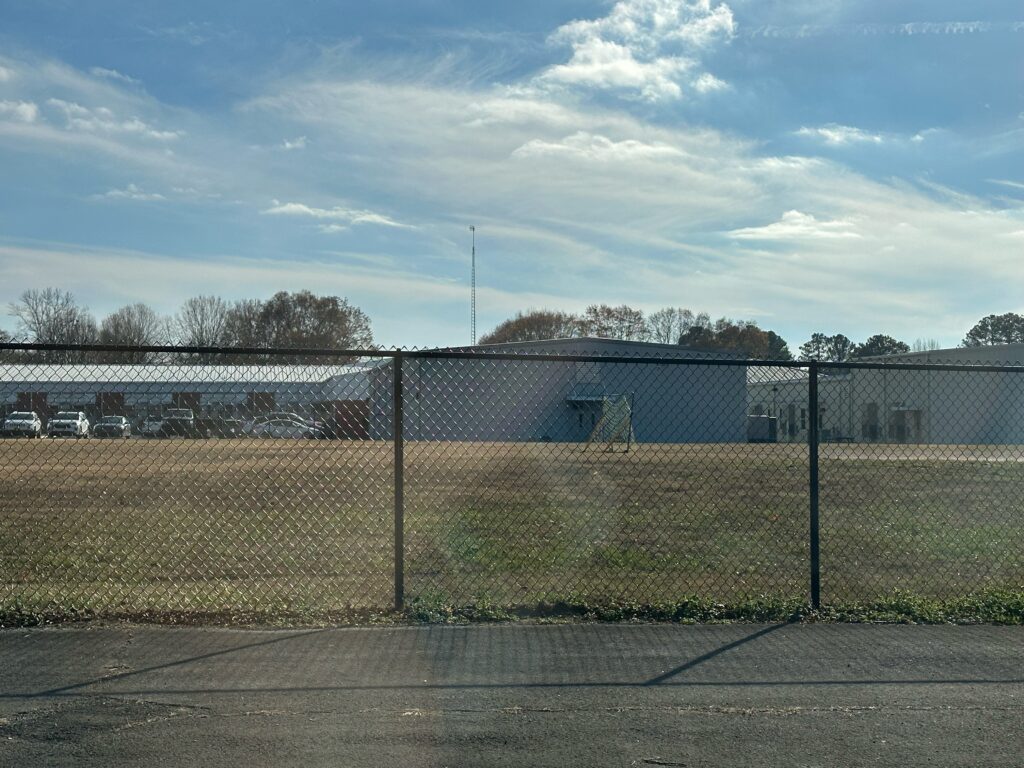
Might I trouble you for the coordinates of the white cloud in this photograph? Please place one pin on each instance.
(113, 74)
(340, 218)
(104, 120)
(131, 192)
(22, 111)
(600, 204)
(642, 48)
(838, 135)
(6, 74)
(590, 146)
(290, 144)
(707, 83)
(798, 226)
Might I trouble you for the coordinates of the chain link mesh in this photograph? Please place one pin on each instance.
(922, 474)
(220, 491)
(519, 491)
(228, 483)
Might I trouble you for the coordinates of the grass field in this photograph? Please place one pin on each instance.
(264, 527)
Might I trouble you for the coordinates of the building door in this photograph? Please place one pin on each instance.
(869, 421)
(905, 426)
(110, 403)
(31, 401)
(259, 402)
(791, 420)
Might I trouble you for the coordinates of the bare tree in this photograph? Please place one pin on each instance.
(925, 345)
(134, 325)
(667, 325)
(52, 316)
(201, 322)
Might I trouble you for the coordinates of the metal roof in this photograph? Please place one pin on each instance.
(177, 373)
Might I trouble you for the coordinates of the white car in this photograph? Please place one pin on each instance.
(69, 424)
(22, 424)
(152, 426)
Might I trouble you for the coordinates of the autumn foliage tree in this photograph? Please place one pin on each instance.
(534, 325)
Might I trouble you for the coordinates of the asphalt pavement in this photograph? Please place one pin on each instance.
(516, 695)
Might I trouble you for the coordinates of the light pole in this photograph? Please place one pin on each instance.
(472, 283)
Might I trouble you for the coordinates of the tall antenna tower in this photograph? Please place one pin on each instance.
(472, 291)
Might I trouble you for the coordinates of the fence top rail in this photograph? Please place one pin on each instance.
(462, 354)
(183, 350)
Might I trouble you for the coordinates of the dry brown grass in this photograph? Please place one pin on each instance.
(230, 525)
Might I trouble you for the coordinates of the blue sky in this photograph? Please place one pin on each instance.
(815, 165)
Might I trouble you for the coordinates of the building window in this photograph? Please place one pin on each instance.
(803, 419)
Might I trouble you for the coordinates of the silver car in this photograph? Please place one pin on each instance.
(286, 428)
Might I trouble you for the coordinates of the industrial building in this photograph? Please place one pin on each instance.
(136, 391)
(444, 398)
(563, 401)
(877, 405)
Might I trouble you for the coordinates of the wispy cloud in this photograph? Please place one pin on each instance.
(104, 120)
(906, 29)
(291, 144)
(339, 218)
(838, 135)
(190, 33)
(1007, 183)
(646, 49)
(113, 74)
(130, 192)
(6, 74)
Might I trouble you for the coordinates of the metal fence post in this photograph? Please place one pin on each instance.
(812, 450)
(397, 415)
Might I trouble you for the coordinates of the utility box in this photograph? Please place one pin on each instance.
(762, 429)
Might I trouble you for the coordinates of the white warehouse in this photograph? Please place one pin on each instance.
(901, 406)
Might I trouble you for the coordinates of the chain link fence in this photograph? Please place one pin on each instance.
(235, 483)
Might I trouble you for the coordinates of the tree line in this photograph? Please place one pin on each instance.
(670, 325)
(305, 320)
(696, 330)
(289, 320)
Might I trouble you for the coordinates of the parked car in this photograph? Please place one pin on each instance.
(151, 426)
(22, 424)
(180, 422)
(266, 418)
(287, 428)
(68, 424)
(112, 426)
(216, 426)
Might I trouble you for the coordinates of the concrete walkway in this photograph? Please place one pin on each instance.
(516, 695)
